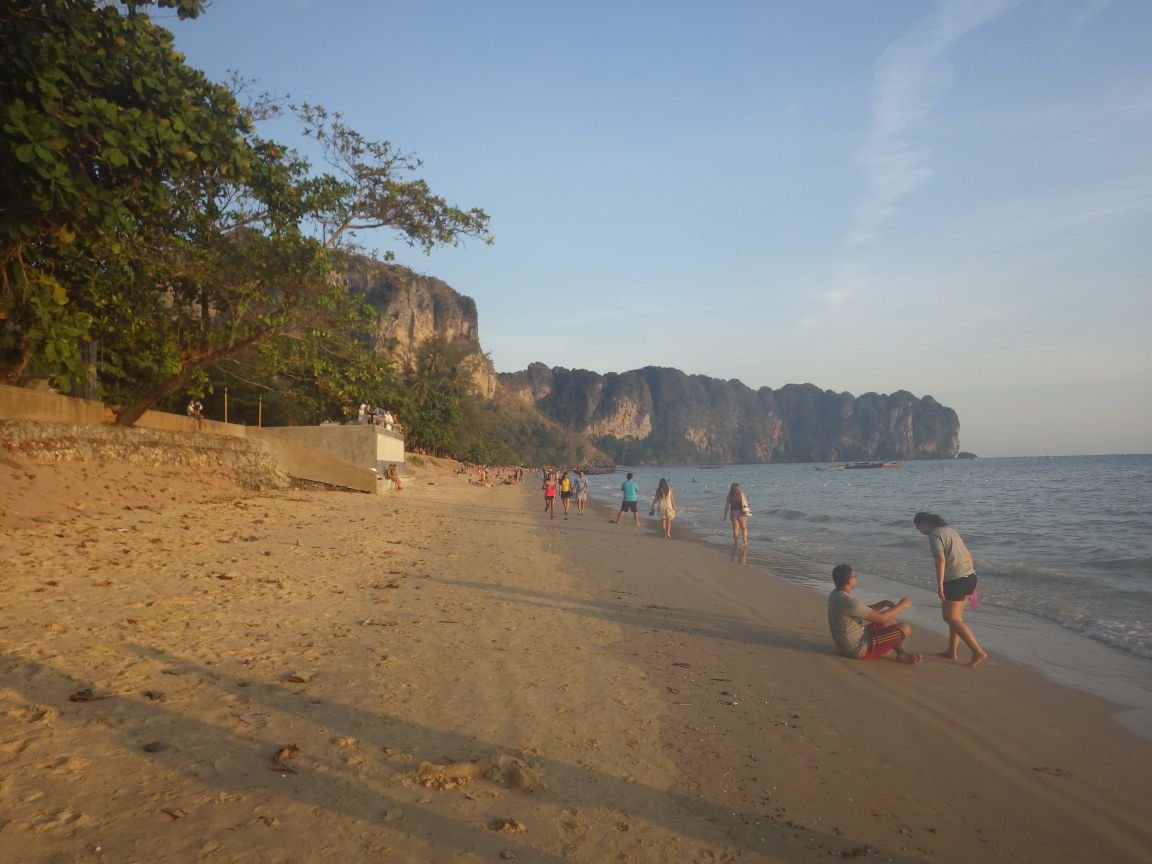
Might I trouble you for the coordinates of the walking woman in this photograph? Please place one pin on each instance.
(664, 505)
(736, 508)
(955, 580)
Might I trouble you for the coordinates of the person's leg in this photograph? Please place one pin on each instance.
(619, 516)
(735, 532)
(889, 639)
(953, 612)
(636, 513)
(744, 529)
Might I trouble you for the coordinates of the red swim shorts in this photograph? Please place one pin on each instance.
(882, 639)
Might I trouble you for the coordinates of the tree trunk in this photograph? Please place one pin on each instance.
(133, 411)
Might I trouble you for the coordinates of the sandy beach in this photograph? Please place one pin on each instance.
(190, 671)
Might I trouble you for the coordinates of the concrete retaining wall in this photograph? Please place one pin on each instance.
(350, 468)
(371, 447)
(22, 403)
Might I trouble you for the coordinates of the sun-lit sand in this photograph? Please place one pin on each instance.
(193, 672)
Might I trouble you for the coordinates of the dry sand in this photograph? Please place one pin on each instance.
(442, 675)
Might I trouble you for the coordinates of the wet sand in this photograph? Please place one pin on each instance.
(445, 675)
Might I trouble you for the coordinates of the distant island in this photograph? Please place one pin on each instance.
(656, 415)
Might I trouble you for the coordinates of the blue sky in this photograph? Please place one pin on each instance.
(950, 198)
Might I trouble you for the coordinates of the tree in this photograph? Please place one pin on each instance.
(98, 116)
(149, 214)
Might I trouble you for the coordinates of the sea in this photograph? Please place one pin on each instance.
(1063, 549)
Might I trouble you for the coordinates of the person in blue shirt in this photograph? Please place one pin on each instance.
(631, 490)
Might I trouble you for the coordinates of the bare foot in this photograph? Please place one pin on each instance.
(977, 659)
(946, 655)
(909, 658)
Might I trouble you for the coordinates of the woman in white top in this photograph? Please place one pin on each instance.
(664, 504)
(955, 581)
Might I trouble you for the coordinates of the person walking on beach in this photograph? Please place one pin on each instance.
(565, 492)
(955, 581)
(736, 508)
(581, 490)
(664, 504)
(550, 494)
(631, 491)
(866, 632)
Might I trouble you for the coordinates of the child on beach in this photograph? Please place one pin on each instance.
(736, 507)
(955, 581)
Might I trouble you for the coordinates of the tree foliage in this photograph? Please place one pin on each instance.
(144, 211)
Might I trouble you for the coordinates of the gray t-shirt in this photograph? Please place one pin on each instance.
(848, 621)
(946, 543)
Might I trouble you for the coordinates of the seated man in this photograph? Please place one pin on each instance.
(866, 632)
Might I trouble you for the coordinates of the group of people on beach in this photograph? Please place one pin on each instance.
(736, 507)
(864, 632)
(867, 632)
(372, 415)
(568, 487)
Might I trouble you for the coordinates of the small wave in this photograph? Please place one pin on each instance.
(788, 514)
(800, 515)
(1029, 572)
(1133, 643)
(1142, 564)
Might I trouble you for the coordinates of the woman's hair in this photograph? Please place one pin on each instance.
(735, 496)
(929, 519)
(662, 488)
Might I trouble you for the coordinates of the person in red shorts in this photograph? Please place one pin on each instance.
(866, 632)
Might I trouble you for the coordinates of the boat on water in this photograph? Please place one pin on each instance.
(590, 471)
(874, 465)
(710, 467)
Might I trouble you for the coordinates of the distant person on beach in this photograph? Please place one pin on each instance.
(737, 509)
(631, 492)
(664, 505)
(581, 490)
(393, 475)
(565, 492)
(550, 494)
(866, 632)
(955, 582)
(196, 412)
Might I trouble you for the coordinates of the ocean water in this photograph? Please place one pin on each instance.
(1063, 547)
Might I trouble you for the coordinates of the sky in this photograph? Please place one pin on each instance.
(951, 198)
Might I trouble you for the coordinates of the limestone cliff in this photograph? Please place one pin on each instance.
(656, 415)
(413, 309)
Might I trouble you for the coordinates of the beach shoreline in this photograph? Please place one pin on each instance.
(463, 679)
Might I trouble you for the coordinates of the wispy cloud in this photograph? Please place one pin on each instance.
(909, 79)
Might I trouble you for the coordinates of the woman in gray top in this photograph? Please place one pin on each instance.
(955, 580)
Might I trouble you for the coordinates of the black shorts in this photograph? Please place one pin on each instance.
(958, 589)
(627, 506)
(565, 495)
